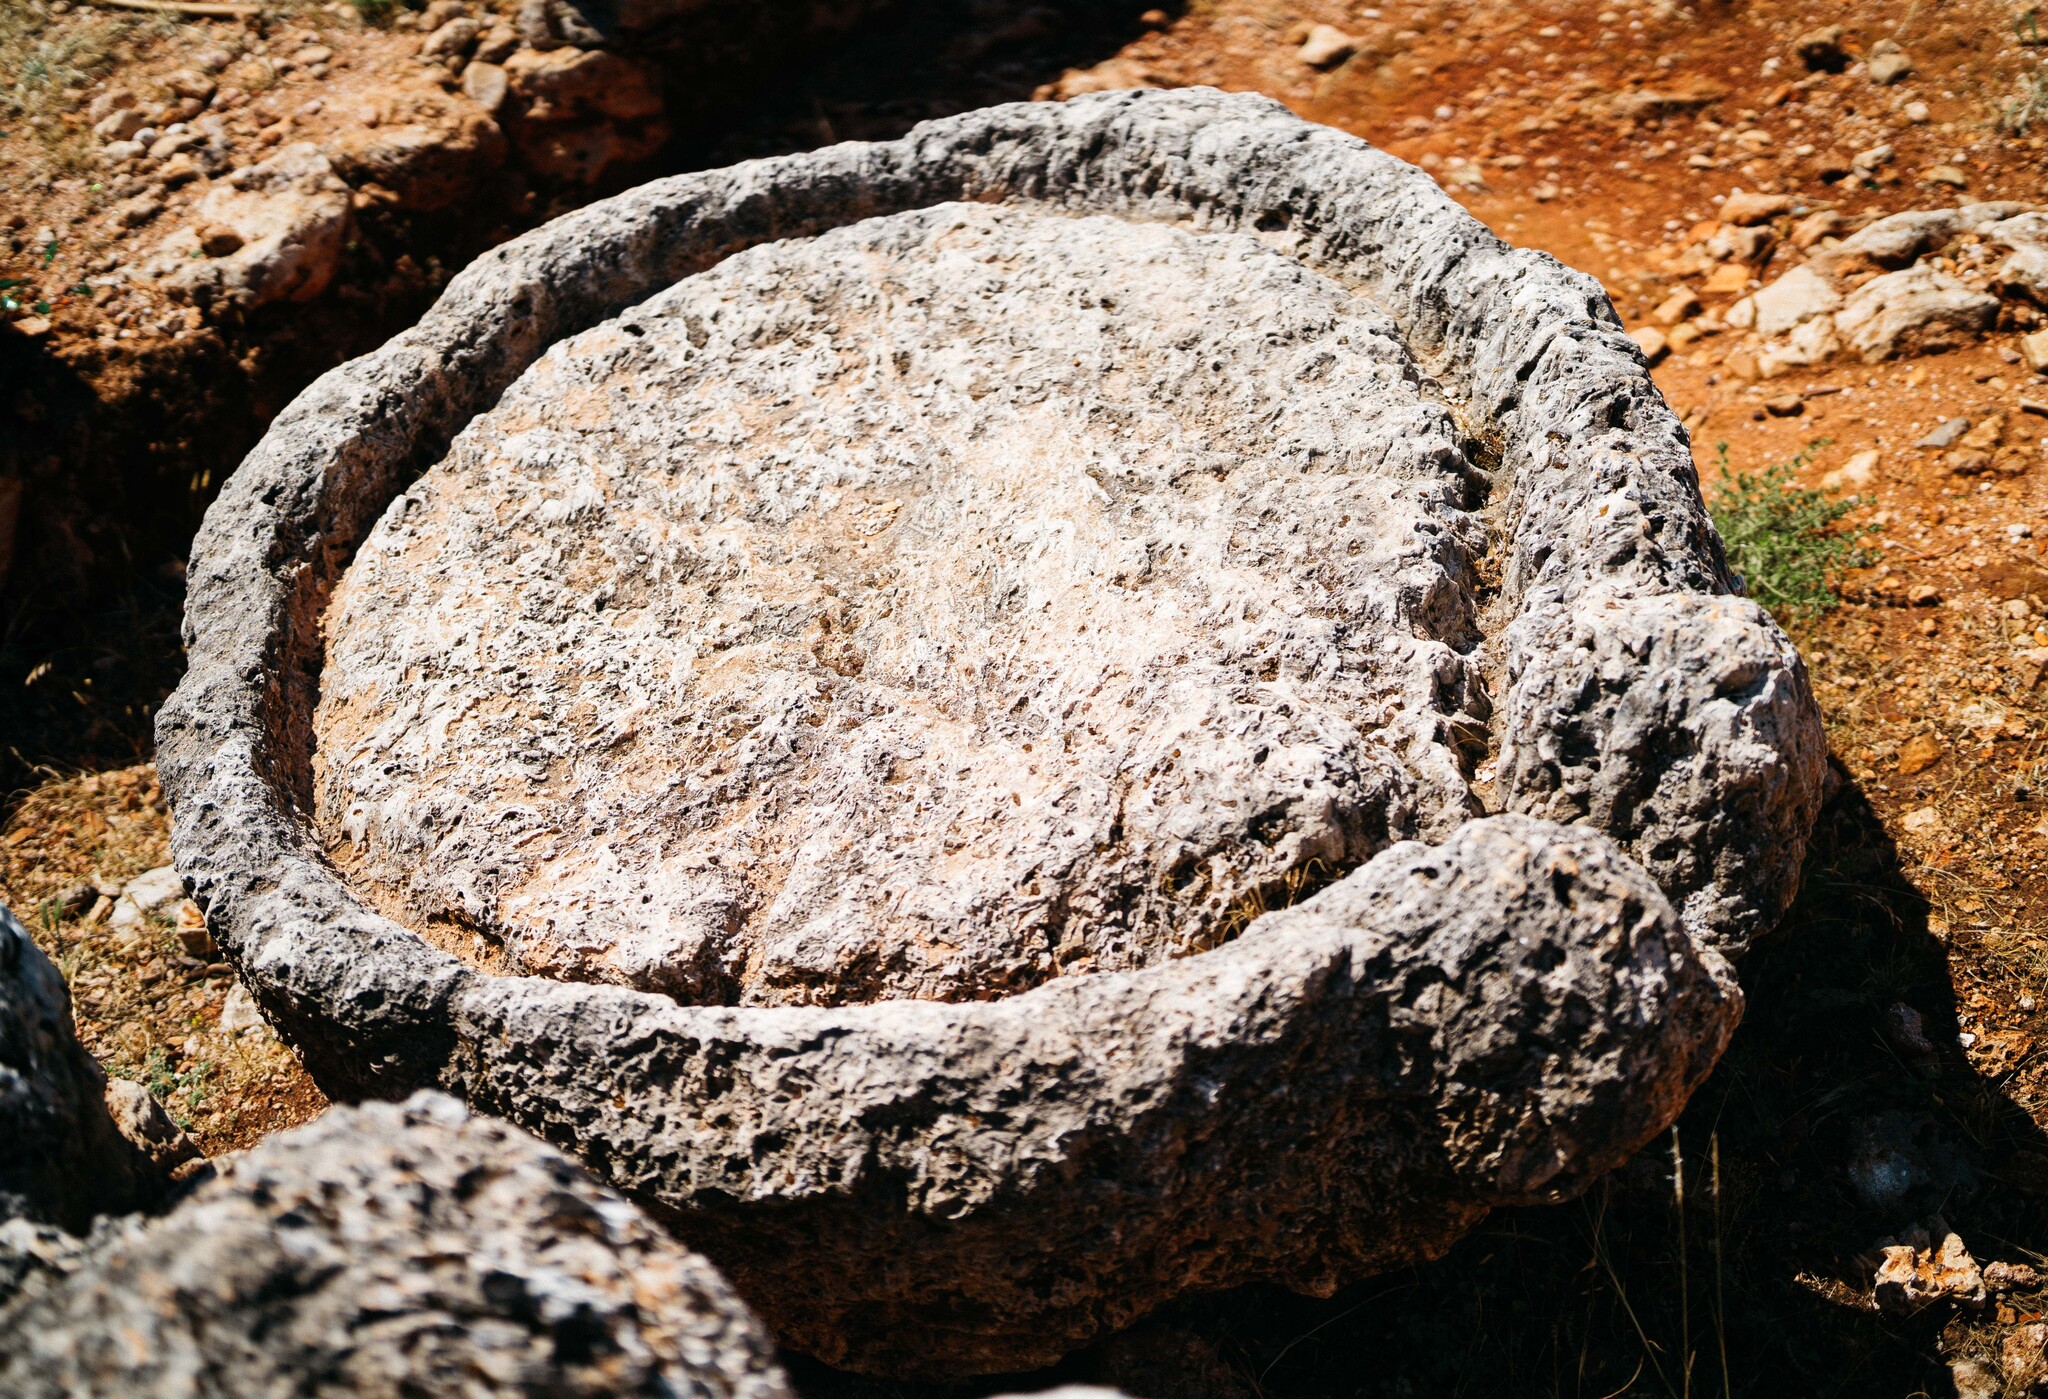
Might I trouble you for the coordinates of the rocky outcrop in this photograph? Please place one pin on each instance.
(1909, 283)
(576, 115)
(710, 51)
(441, 154)
(918, 1187)
(63, 1156)
(1901, 309)
(386, 1251)
(272, 231)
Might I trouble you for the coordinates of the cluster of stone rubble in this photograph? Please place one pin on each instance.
(1910, 283)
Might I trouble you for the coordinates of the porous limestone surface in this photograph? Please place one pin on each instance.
(955, 600)
(1496, 1012)
(390, 1251)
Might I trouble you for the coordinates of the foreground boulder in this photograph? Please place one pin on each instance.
(770, 740)
(63, 1156)
(385, 1251)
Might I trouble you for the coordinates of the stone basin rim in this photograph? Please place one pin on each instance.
(235, 757)
(1607, 546)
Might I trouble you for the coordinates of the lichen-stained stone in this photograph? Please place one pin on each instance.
(391, 1251)
(930, 1120)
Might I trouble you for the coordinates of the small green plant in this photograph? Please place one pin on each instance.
(2029, 108)
(1787, 544)
(181, 1091)
(376, 11)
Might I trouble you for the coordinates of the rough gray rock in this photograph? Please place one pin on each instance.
(63, 1158)
(1577, 746)
(921, 1187)
(2026, 271)
(1147, 686)
(1901, 309)
(386, 1251)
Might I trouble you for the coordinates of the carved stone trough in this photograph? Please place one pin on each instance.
(1104, 700)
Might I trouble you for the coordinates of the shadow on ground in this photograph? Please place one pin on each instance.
(1822, 1132)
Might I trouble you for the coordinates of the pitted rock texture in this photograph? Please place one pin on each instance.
(388, 1252)
(933, 1188)
(1348, 1087)
(1600, 695)
(953, 601)
(63, 1158)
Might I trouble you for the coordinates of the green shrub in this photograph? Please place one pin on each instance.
(1787, 545)
(2019, 114)
(377, 11)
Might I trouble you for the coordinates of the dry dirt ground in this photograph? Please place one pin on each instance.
(1892, 1075)
(147, 995)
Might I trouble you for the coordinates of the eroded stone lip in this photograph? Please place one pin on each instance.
(958, 599)
(921, 1188)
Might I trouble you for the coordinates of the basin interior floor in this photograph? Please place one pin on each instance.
(953, 601)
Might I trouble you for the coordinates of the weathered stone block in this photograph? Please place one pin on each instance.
(63, 1157)
(1377, 525)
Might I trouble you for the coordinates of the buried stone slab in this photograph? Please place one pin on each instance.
(389, 1250)
(752, 584)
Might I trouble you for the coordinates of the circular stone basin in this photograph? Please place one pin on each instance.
(1106, 700)
(953, 601)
